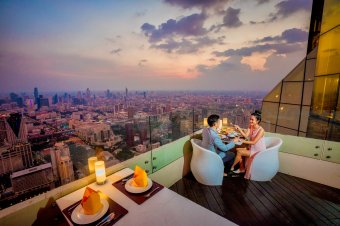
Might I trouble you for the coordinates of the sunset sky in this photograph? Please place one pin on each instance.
(150, 45)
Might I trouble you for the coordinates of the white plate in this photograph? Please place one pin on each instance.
(79, 217)
(231, 135)
(223, 136)
(239, 143)
(133, 189)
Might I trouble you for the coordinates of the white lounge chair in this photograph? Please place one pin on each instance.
(266, 163)
(206, 166)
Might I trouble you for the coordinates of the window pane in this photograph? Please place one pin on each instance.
(325, 95)
(289, 116)
(313, 53)
(268, 127)
(329, 53)
(274, 95)
(334, 132)
(307, 93)
(330, 16)
(269, 112)
(310, 70)
(302, 134)
(297, 73)
(317, 127)
(304, 119)
(291, 92)
(337, 112)
(286, 131)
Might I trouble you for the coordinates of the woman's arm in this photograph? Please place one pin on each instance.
(259, 135)
(245, 134)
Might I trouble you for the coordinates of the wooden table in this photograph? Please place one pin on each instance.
(164, 208)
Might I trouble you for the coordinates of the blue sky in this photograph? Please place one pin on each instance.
(150, 45)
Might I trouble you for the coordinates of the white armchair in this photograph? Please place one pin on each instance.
(266, 163)
(206, 166)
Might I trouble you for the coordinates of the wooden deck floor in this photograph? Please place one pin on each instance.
(286, 200)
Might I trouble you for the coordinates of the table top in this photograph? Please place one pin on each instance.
(164, 208)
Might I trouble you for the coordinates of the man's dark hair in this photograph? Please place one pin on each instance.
(212, 119)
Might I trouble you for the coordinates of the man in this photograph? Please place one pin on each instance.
(212, 141)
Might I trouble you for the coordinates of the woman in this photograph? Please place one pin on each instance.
(256, 141)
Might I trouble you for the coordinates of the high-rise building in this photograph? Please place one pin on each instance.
(62, 165)
(143, 131)
(3, 131)
(131, 112)
(55, 99)
(129, 134)
(32, 179)
(36, 95)
(16, 130)
(16, 157)
(175, 125)
(43, 102)
(307, 101)
(94, 133)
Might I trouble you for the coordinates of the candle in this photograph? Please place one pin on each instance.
(225, 121)
(100, 172)
(91, 162)
(205, 122)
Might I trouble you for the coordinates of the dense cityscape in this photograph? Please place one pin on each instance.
(46, 139)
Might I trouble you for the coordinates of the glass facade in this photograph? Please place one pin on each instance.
(285, 109)
(308, 102)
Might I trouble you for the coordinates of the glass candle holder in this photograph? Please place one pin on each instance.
(91, 162)
(205, 122)
(225, 121)
(100, 172)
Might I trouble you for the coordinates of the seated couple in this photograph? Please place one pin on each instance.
(255, 134)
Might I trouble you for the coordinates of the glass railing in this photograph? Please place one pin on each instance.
(144, 141)
(62, 156)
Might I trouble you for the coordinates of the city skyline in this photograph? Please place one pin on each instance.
(150, 45)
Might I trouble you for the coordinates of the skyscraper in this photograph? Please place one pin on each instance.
(129, 134)
(36, 95)
(131, 112)
(3, 132)
(61, 161)
(16, 130)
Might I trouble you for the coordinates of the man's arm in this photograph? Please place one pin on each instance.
(223, 147)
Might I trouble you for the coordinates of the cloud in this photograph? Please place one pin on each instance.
(288, 7)
(185, 46)
(142, 62)
(290, 36)
(187, 26)
(203, 4)
(262, 1)
(278, 48)
(116, 51)
(257, 22)
(230, 19)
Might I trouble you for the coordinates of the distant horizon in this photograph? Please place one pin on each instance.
(154, 44)
(130, 91)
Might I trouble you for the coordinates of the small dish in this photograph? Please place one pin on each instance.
(133, 189)
(79, 217)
